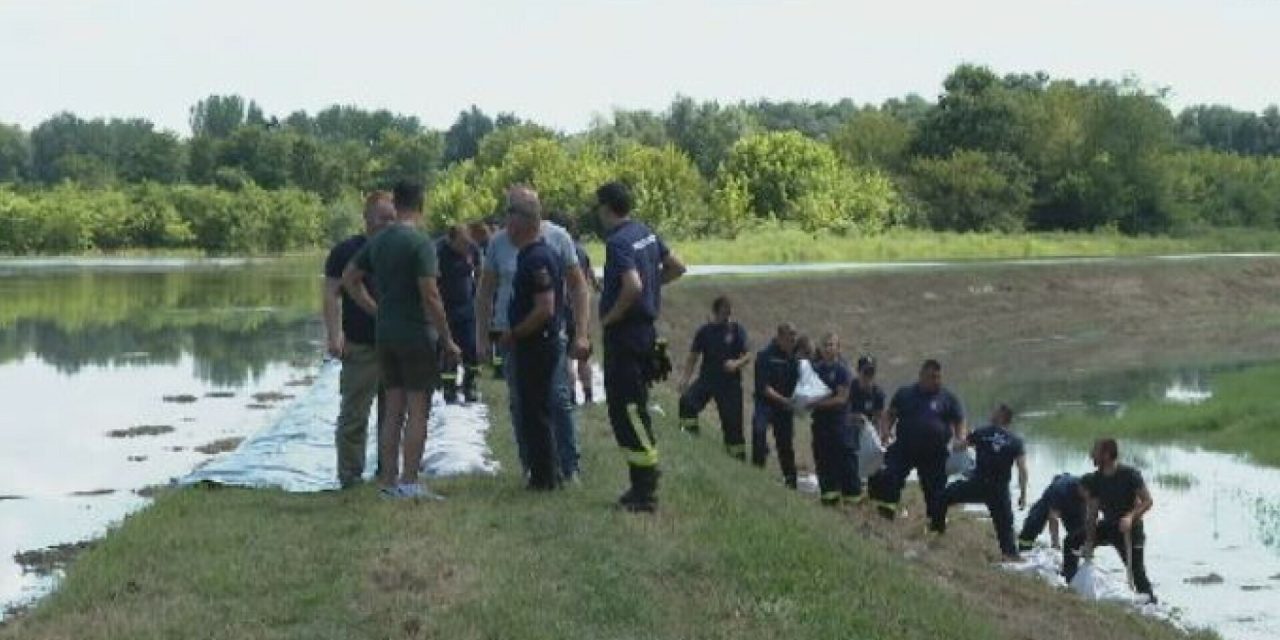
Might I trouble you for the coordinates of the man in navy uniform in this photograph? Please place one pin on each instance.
(866, 398)
(927, 419)
(1060, 502)
(637, 264)
(775, 381)
(998, 450)
(721, 345)
(459, 260)
(535, 319)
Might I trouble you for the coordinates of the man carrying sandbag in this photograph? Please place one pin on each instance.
(998, 450)
(1118, 493)
(775, 382)
(1061, 504)
(922, 422)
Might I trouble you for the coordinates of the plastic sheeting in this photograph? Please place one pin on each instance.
(296, 453)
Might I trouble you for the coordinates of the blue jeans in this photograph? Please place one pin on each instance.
(562, 419)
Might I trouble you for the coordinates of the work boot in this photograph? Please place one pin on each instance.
(642, 496)
(887, 511)
(790, 481)
(469, 385)
(450, 392)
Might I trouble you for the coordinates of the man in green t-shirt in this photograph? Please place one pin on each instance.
(411, 326)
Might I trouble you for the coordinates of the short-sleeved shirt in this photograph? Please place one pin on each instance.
(538, 270)
(776, 369)
(866, 401)
(998, 449)
(458, 279)
(835, 375)
(500, 259)
(1063, 496)
(718, 343)
(398, 257)
(631, 245)
(357, 324)
(1117, 493)
(925, 418)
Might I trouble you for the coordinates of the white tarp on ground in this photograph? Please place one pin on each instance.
(296, 453)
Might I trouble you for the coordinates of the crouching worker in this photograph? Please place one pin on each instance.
(775, 381)
(1060, 503)
(835, 449)
(1118, 494)
(998, 450)
(721, 345)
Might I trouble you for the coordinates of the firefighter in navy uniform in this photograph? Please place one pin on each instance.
(866, 398)
(999, 449)
(777, 370)
(535, 318)
(721, 345)
(1062, 503)
(637, 264)
(459, 259)
(835, 449)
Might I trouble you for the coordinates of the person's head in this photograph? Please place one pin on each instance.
(613, 204)
(721, 309)
(866, 367)
(479, 232)
(931, 375)
(1002, 416)
(524, 221)
(379, 211)
(525, 196)
(569, 223)
(804, 347)
(1105, 453)
(786, 337)
(829, 347)
(408, 199)
(459, 238)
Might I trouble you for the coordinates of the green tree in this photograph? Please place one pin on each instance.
(670, 193)
(462, 140)
(217, 116)
(15, 154)
(972, 191)
(873, 138)
(706, 131)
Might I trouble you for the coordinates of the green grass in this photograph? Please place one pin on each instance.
(1243, 416)
(789, 245)
(731, 554)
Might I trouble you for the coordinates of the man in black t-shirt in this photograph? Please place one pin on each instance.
(350, 332)
(721, 345)
(998, 450)
(1118, 493)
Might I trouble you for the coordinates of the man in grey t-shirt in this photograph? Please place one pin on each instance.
(498, 275)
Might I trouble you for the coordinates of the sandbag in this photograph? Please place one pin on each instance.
(960, 462)
(809, 387)
(1087, 582)
(870, 449)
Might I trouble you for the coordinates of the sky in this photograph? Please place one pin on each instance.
(563, 62)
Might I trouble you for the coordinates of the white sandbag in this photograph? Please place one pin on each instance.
(870, 450)
(1087, 582)
(960, 462)
(809, 387)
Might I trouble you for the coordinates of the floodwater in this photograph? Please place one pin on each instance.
(214, 350)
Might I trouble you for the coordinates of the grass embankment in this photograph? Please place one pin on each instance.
(1243, 416)
(732, 554)
(789, 245)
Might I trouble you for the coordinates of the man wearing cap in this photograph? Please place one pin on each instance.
(534, 335)
(721, 345)
(926, 419)
(459, 258)
(637, 265)
(776, 373)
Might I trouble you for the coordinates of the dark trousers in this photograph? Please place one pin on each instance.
(537, 359)
(835, 454)
(993, 494)
(627, 365)
(783, 423)
(1038, 514)
(1108, 533)
(463, 329)
(929, 459)
(728, 397)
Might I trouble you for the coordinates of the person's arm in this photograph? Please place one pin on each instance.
(887, 420)
(672, 268)
(544, 307)
(1090, 522)
(1022, 481)
(959, 428)
(838, 397)
(744, 356)
(690, 363)
(433, 308)
(1054, 540)
(580, 305)
(484, 312)
(332, 305)
(629, 291)
(1141, 506)
(353, 283)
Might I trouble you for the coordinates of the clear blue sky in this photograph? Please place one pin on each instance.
(562, 61)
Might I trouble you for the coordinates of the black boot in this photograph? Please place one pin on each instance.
(469, 385)
(642, 496)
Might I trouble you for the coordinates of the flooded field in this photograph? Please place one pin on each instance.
(115, 380)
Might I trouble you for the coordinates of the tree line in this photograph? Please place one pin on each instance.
(991, 153)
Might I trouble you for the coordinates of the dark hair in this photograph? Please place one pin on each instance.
(616, 196)
(931, 365)
(1006, 411)
(408, 195)
(719, 303)
(1108, 447)
(562, 218)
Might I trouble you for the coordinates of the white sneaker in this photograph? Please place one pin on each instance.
(417, 491)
